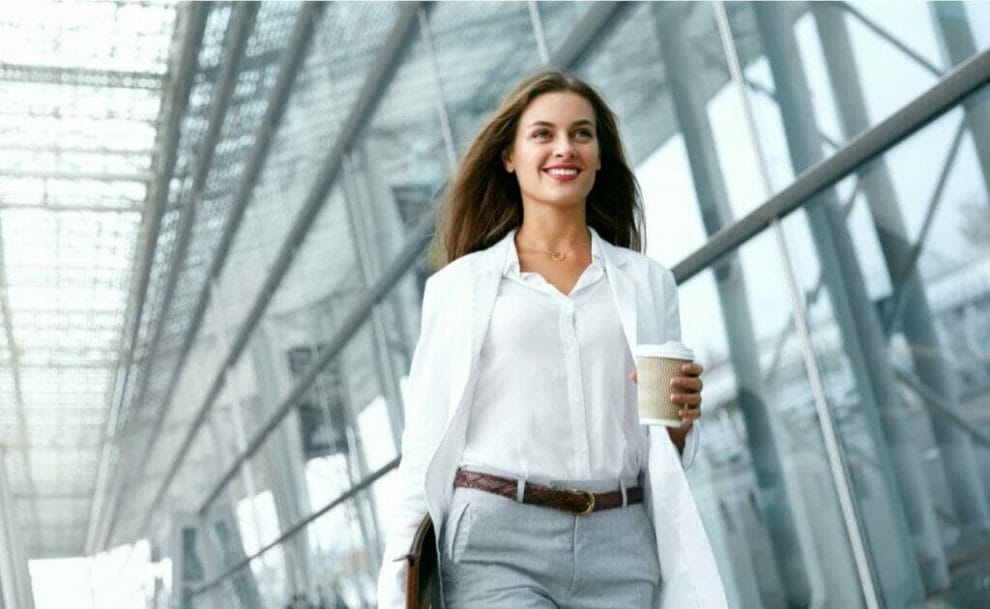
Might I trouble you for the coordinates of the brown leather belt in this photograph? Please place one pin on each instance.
(575, 501)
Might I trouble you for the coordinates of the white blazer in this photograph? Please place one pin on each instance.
(457, 306)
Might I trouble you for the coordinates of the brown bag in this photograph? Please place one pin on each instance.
(422, 577)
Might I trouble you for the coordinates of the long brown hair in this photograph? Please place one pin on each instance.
(484, 202)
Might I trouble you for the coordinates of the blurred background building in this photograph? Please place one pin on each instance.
(213, 219)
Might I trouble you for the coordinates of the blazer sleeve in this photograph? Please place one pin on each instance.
(422, 429)
(672, 330)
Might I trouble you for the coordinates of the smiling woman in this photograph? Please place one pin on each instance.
(522, 442)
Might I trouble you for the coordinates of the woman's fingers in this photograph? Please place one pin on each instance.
(690, 384)
(688, 392)
(692, 369)
(687, 384)
(690, 403)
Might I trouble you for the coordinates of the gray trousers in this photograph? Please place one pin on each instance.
(497, 553)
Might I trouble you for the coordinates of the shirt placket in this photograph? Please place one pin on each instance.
(580, 458)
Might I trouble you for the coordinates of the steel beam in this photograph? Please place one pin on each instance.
(347, 495)
(291, 61)
(136, 208)
(58, 115)
(387, 61)
(956, 42)
(81, 77)
(15, 581)
(593, 26)
(936, 403)
(785, 579)
(910, 262)
(893, 40)
(57, 149)
(62, 174)
(168, 140)
(13, 357)
(238, 33)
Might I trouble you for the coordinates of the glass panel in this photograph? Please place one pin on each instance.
(482, 49)
(842, 68)
(559, 19)
(398, 162)
(762, 480)
(896, 285)
(322, 99)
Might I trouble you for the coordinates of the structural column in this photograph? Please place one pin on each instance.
(891, 527)
(15, 581)
(785, 567)
(917, 322)
(285, 458)
(956, 42)
(228, 549)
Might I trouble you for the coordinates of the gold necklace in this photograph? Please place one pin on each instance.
(557, 256)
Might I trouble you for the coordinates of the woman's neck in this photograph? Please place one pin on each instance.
(553, 233)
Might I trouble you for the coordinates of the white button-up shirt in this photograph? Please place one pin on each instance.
(553, 398)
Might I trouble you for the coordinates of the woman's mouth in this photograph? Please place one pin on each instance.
(563, 174)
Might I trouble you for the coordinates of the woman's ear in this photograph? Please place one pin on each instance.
(507, 161)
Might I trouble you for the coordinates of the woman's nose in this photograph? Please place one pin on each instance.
(564, 148)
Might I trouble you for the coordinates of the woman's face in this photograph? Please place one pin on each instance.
(555, 151)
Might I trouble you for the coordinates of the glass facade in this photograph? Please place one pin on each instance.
(824, 209)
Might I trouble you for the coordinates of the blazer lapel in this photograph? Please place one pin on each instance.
(484, 277)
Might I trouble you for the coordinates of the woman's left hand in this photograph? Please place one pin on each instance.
(686, 391)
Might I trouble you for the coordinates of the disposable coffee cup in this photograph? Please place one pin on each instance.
(655, 366)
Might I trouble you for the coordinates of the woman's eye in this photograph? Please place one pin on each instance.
(584, 133)
(542, 133)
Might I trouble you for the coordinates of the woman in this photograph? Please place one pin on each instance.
(521, 435)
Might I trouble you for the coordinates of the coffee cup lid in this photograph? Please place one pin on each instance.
(672, 349)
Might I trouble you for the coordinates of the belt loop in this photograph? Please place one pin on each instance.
(520, 489)
(625, 499)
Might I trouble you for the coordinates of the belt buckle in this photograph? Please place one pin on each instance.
(591, 502)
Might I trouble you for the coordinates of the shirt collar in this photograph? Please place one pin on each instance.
(511, 265)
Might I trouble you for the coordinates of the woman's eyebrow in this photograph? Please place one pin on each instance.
(581, 121)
